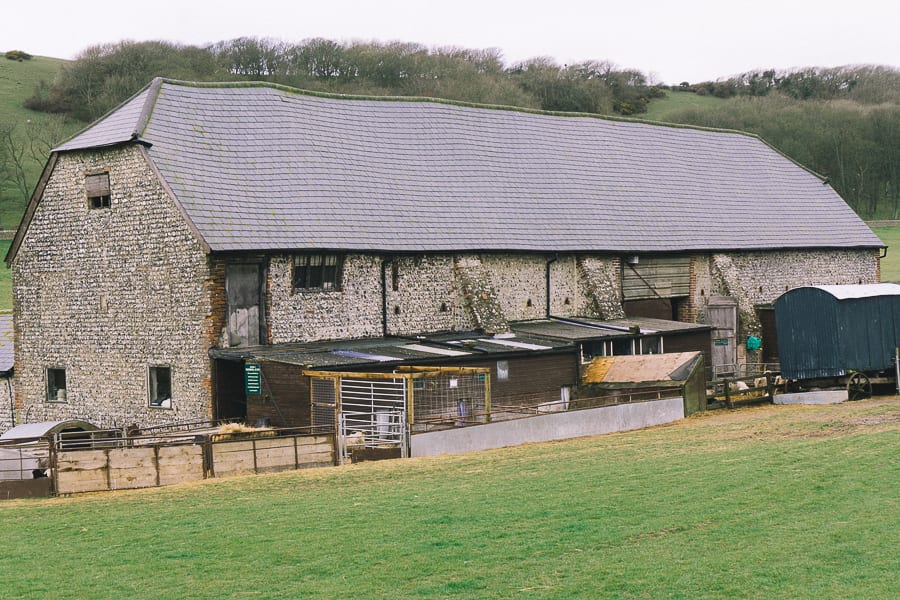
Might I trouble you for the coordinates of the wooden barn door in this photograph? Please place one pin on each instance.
(242, 288)
(721, 313)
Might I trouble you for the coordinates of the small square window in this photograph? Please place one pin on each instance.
(317, 272)
(56, 385)
(97, 188)
(161, 387)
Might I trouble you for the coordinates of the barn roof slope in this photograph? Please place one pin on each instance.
(260, 166)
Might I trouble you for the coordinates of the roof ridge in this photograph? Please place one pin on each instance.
(448, 102)
(141, 123)
(149, 104)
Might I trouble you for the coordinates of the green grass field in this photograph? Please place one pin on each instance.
(761, 502)
(661, 109)
(5, 279)
(17, 82)
(890, 265)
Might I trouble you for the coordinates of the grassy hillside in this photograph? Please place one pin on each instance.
(17, 82)
(765, 502)
(660, 109)
(890, 265)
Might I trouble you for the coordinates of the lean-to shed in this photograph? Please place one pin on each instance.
(643, 375)
(833, 330)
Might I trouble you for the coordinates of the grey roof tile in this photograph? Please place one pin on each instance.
(262, 167)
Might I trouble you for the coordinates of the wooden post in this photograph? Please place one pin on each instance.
(156, 462)
(410, 400)
(209, 471)
(338, 458)
(487, 397)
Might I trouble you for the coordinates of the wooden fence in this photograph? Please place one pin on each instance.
(123, 466)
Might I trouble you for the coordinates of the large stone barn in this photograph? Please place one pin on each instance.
(200, 224)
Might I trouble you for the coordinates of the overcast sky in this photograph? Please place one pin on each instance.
(673, 41)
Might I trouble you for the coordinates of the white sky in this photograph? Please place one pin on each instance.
(673, 41)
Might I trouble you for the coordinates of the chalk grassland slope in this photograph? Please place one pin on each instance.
(890, 265)
(17, 82)
(661, 109)
(786, 502)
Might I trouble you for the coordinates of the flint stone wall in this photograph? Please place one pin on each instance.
(107, 293)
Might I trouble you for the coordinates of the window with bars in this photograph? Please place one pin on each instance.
(317, 272)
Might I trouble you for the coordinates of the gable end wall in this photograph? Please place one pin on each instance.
(106, 293)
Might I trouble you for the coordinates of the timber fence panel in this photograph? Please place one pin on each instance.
(180, 464)
(132, 468)
(93, 470)
(233, 457)
(82, 471)
(315, 451)
(270, 454)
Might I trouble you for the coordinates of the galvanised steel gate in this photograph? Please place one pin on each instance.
(378, 410)
(373, 415)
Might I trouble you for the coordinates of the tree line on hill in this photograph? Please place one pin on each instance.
(843, 123)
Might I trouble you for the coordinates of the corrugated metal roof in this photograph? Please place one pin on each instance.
(257, 166)
(583, 329)
(845, 292)
(45, 428)
(373, 351)
(641, 368)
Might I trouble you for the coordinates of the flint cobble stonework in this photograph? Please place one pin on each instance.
(7, 400)
(759, 278)
(107, 293)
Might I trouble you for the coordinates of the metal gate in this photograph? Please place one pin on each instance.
(373, 414)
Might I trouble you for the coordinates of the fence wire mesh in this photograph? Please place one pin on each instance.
(450, 399)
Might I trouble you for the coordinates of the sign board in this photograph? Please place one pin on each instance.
(252, 379)
(720, 342)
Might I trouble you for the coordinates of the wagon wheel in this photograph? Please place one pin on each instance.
(859, 387)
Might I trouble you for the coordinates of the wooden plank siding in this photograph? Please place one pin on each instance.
(285, 399)
(532, 380)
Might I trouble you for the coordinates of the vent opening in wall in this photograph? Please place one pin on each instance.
(567, 301)
(97, 188)
(396, 310)
(444, 307)
(529, 303)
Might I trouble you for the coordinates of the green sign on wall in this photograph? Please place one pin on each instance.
(252, 379)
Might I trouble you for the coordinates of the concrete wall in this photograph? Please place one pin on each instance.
(543, 428)
(107, 293)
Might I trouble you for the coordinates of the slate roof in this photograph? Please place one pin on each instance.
(263, 167)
